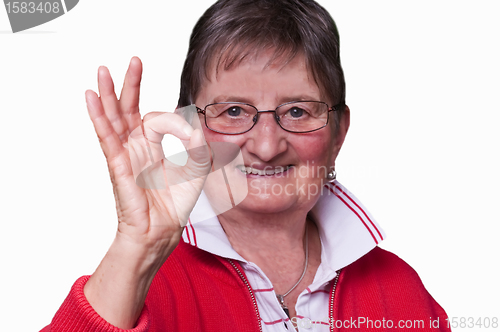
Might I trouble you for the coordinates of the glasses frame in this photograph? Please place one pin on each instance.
(276, 117)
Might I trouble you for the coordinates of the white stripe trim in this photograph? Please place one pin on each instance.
(361, 212)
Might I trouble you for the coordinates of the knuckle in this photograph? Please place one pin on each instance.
(152, 115)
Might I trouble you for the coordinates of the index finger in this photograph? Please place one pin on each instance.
(145, 140)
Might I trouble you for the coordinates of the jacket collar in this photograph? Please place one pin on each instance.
(346, 228)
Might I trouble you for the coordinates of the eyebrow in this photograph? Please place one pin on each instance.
(283, 100)
(225, 99)
(298, 98)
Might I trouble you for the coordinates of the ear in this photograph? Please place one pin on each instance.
(340, 133)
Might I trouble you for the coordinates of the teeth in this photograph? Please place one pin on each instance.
(251, 170)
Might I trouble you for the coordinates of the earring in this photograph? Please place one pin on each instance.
(331, 176)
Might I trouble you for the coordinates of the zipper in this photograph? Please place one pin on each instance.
(334, 287)
(245, 281)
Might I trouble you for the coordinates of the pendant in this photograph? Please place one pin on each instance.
(281, 299)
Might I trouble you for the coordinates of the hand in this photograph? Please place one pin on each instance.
(150, 221)
(144, 214)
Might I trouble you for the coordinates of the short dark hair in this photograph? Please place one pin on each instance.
(232, 30)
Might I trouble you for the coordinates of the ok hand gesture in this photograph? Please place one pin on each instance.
(150, 217)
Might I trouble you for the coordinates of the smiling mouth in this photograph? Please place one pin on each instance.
(265, 171)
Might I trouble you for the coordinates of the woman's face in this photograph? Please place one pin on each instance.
(305, 158)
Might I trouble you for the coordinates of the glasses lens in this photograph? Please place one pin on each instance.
(303, 116)
(230, 118)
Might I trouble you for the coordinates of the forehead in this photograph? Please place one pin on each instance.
(260, 78)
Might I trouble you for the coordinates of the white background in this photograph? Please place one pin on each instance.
(423, 84)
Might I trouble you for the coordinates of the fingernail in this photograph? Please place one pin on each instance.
(188, 130)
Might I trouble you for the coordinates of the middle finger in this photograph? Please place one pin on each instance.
(110, 104)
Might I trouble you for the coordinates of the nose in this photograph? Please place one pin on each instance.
(266, 139)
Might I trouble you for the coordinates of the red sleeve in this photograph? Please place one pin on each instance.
(380, 285)
(76, 314)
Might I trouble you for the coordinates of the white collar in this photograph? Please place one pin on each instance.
(346, 228)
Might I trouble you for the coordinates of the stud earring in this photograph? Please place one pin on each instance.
(331, 176)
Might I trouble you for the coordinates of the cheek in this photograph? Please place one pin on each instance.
(315, 147)
(211, 136)
(226, 149)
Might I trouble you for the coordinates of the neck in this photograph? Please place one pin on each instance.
(276, 244)
(265, 237)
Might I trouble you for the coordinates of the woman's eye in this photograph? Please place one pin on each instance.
(296, 112)
(234, 111)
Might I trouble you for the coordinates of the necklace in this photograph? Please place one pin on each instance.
(281, 298)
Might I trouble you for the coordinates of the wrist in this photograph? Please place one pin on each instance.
(118, 288)
(143, 258)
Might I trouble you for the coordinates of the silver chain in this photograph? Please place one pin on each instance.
(305, 267)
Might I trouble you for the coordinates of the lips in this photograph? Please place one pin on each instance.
(268, 170)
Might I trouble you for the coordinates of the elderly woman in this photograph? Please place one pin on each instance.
(294, 249)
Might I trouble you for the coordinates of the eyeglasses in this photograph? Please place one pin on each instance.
(295, 117)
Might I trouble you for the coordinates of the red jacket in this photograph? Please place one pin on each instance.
(198, 291)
